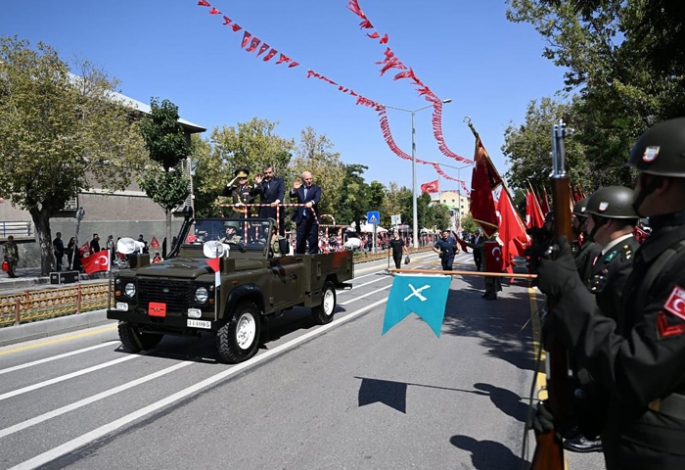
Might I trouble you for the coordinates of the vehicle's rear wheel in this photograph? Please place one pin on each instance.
(324, 313)
(238, 339)
(135, 341)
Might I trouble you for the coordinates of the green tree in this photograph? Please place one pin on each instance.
(528, 147)
(438, 215)
(354, 201)
(164, 180)
(59, 134)
(392, 203)
(208, 181)
(252, 145)
(468, 225)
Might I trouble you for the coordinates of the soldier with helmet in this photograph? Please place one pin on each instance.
(241, 193)
(584, 248)
(638, 356)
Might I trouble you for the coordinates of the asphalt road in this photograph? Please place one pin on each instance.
(339, 396)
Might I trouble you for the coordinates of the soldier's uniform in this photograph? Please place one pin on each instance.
(639, 358)
(240, 193)
(587, 252)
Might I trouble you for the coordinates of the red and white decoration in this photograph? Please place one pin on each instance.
(96, 262)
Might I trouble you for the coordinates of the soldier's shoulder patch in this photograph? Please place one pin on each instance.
(668, 329)
(675, 303)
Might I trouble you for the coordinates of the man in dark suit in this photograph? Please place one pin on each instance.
(308, 194)
(272, 192)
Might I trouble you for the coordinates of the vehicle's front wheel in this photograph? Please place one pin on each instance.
(238, 339)
(324, 313)
(135, 341)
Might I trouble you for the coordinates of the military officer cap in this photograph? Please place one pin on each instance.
(612, 202)
(579, 210)
(660, 150)
(549, 218)
(241, 173)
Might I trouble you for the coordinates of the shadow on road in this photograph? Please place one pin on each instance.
(487, 455)
(505, 400)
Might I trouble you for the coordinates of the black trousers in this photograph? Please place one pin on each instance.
(307, 231)
(397, 257)
(447, 262)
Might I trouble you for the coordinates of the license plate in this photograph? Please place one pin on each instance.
(200, 324)
(157, 309)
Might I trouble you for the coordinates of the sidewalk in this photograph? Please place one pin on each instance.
(30, 278)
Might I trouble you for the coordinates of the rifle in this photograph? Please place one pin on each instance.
(549, 453)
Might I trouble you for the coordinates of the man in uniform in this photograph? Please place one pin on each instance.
(446, 248)
(231, 236)
(637, 357)
(611, 222)
(10, 253)
(584, 248)
(272, 191)
(241, 192)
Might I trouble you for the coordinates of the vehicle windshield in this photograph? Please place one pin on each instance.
(247, 234)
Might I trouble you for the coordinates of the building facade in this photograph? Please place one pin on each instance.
(127, 213)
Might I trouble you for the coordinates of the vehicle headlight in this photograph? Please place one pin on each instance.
(201, 295)
(130, 289)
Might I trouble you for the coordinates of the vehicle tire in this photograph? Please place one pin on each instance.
(238, 339)
(135, 341)
(324, 313)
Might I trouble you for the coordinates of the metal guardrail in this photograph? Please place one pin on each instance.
(28, 306)
(16, 229)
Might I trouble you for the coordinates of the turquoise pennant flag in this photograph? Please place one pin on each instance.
(424, 295)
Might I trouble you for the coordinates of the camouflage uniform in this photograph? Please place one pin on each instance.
(10, 253)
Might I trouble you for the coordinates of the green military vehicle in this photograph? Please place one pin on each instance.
(184, 296)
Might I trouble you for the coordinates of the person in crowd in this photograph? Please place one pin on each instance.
(272, 191)
(477, 246)
(231, 236)
(241, 193)
(10, 253)
(94, 244)
(611, 222)
(111, 247)
(58, 249)
(446, 248)
(308, 194)
(637, 356)
(157, 258)
(398, 247)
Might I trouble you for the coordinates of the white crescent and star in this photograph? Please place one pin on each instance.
(679, 305)
(497, 256)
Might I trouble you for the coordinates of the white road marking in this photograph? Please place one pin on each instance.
(370, 282)
(87, 401)
(62, 378)
(365, 295)
(85, 439)
(60, 356)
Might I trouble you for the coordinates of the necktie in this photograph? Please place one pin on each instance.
(304, 212)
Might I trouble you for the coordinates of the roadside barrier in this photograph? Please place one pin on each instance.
(32, 305)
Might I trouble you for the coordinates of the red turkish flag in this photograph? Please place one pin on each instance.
(483, 181)
(676, 302)
(544, 203)
(494, 257)
(534, 217)
(512, 232)
(430, 187)
(85, 249)
(154, 243)
(96, 262)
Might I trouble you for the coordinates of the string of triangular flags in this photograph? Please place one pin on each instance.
(252, 43)
(391, 61)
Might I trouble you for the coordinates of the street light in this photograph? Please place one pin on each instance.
(413, 167)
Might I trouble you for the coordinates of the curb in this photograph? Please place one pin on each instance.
(52, 327)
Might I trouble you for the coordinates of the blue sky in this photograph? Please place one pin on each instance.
(463, 50)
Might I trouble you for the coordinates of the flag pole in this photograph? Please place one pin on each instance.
(463, 273)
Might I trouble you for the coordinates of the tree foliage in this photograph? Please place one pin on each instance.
(59, 134)
(624, 69)
(163, 135)
(354, 202)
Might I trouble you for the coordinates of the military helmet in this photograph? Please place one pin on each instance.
(549, 218)
(660, 150)
(580, 208)
(612, 202)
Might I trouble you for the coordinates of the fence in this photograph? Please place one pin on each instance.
(16, 229)
(28, 306)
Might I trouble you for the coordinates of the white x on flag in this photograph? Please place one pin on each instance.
(417, 292)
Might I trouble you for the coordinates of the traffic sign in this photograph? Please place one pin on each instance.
(396, 219)
(373, 217)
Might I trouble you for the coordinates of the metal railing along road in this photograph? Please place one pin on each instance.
(18, 229)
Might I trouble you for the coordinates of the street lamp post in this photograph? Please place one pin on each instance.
(415, 221)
